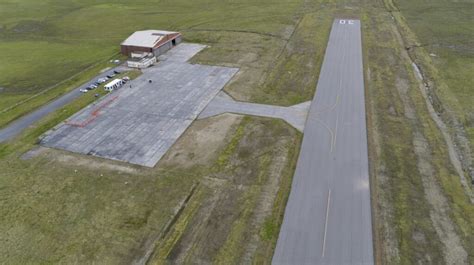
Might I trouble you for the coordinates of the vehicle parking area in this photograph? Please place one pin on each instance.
(139, 122)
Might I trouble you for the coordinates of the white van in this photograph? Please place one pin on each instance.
(116, 83)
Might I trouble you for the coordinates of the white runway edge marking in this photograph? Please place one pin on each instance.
(326, 223)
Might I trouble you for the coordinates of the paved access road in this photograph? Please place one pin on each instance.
(295, 115)
(16, 127)
(328, 214)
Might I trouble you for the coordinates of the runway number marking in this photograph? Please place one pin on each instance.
(344, 22)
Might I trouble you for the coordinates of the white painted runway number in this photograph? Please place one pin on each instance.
(343, 22)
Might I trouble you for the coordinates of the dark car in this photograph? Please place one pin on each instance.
(116, 72)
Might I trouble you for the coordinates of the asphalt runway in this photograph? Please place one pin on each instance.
(328, 215)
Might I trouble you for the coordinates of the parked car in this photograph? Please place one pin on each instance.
(84, 90)
(126, 78)
(111, 75)
(116, 72)
(97, 84)
(92, 86)
(102, 80)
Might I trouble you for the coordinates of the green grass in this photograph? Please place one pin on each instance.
(274, 69)
(224, 157)
(41, 46)
(9, 101)
(441, 28)
(14, 106)
(401, 205)
(165, 246)
(29, 137)
(270, 229)
(402, 190)
(64, 212)
(293, 78)
(444, 28)
(57, 212)
(84, 217)
(233, 247)
(232, 222)
(45, 64)
(54, 212)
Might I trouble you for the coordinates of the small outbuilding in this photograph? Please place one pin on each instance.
(156, 42)
(141, 60)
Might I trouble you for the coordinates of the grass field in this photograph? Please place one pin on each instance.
(422, 209)
(59, 207)
(444, 49)
(445, 30)
(42, 44)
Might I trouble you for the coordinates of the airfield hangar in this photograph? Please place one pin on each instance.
(156, 42)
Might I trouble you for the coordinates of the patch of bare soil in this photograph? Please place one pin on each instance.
(386, 238)
(88, 162)
(229, 189)
(149, 246)
(450, 127)
(266, 201)
(183, 249)
(201, 142)
(209, 227)
(454, 151)
(246, 77)
(248, 58)
(288, 31)
(385, 213)
(454, 252)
